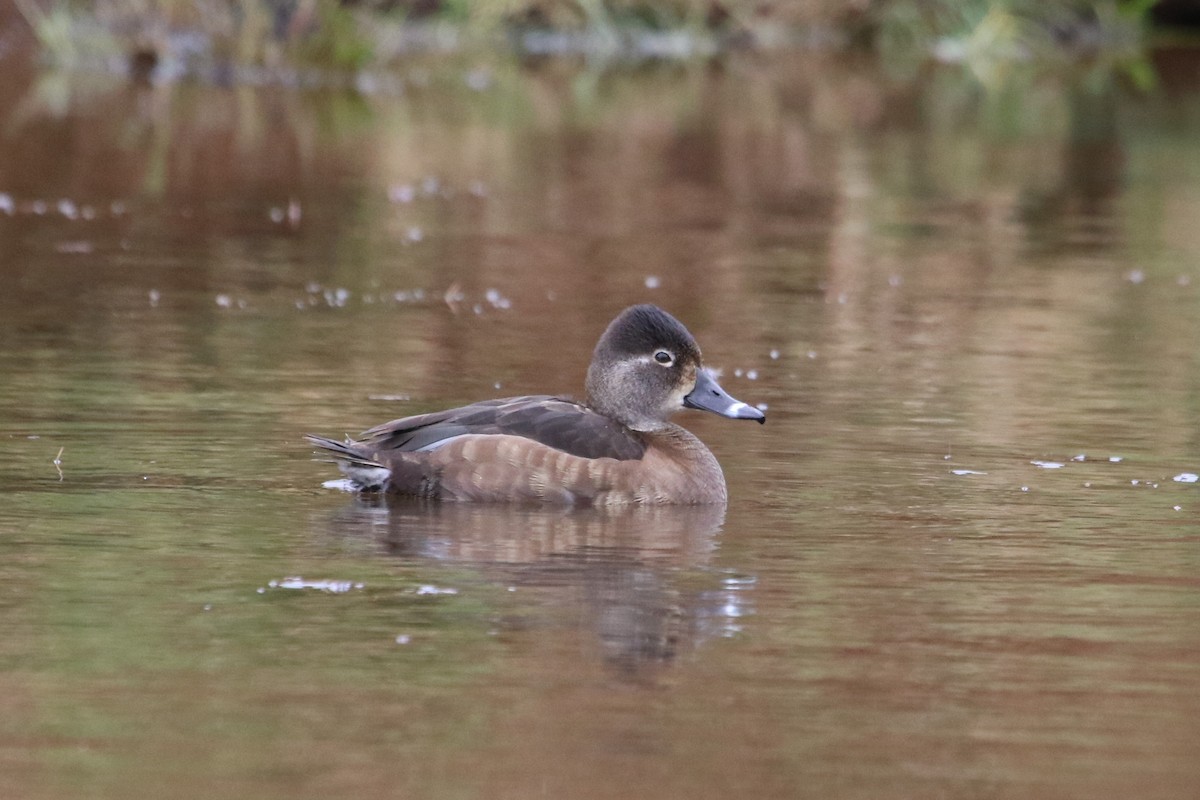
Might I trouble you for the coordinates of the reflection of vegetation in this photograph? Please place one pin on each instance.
(362, 33)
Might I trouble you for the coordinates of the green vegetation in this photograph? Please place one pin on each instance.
(186, 37)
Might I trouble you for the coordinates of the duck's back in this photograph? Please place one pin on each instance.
(555, 422)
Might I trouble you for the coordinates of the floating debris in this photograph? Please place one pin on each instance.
(1080, 457)
(430, 589)
(332, 587)
(966, 472)
(1048, 464)
(1186, 477)
(1116, 459)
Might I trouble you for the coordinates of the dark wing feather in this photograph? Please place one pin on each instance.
(553, 421)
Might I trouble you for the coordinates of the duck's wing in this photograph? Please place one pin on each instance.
(553, 421)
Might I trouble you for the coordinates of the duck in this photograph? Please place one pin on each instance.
(617, 447)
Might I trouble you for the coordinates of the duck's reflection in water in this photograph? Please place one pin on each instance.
(639, 581)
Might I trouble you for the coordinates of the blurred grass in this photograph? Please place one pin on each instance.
(176, 36)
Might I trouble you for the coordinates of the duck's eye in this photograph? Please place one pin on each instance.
(663, 357)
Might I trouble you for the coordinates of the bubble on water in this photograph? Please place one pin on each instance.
(431, 185)
(401, 193)
(653, 282)
(966, 472)
(276, 214)
(1186, 477)
(774, 354)
(761, 406)
(403, 638)
(1048, 464)
(6, 204)
(478, 189)
(1080, 457)
(68, 209)
(1183, 280)
(155, 296)
(224, 301)
(895, 280)
(336, 298)
(341, 484)
(497, 300)
(1135, 276)
(1177, 508)
(479, 79)
(752, 374)
(1116, 459)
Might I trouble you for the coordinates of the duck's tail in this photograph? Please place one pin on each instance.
(367, 473)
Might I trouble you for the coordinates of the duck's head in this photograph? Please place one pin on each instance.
(647, 366)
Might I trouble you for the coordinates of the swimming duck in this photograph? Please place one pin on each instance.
(616, 448)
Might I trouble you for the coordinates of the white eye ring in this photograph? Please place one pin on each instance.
(664, 358)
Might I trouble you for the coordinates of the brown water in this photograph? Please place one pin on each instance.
(941, 289)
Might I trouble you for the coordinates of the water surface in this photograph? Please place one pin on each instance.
(957, 561)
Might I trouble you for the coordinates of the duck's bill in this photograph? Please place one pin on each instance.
(709, 396)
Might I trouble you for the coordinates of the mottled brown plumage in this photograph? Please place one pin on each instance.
(617, 448)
